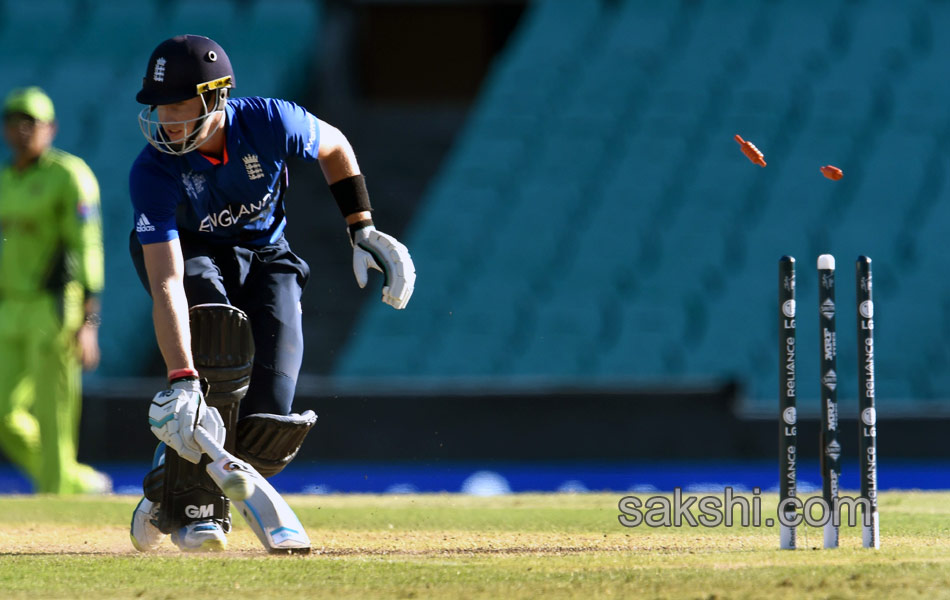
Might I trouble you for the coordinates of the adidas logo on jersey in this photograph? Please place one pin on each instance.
(143, 225)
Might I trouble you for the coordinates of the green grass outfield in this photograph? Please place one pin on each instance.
(518, 546)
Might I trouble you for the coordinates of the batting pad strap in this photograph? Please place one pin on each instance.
(351, 195)
(269, 442)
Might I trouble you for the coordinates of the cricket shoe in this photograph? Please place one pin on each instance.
(201, 536)
(146, 537)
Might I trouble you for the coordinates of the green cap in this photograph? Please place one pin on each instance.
(31, 101)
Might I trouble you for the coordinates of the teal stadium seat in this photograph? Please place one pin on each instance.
(18, 74)
(36, 31)
(648, 341)
(479, 343)
(272, 46)
(116, 34)
(560, 333)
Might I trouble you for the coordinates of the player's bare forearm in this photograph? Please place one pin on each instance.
(358, 216)
(171, 329)
(165, 267)
(336, 156)
(338, 162)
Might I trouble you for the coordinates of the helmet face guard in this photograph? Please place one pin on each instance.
(202, 127)
(179, 69)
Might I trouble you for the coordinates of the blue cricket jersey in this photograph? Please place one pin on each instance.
(235, 201)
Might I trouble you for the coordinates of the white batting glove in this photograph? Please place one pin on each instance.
(375, 250)
(175, 412)
(214, 425)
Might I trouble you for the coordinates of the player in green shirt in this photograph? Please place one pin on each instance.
(51, 272)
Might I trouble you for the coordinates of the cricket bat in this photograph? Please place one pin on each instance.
(270, 517)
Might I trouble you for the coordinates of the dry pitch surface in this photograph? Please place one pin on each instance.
(457, 546)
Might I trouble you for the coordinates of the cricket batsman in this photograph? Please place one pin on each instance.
(208, 243)
(51, 275)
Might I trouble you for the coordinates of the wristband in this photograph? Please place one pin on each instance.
(177, 374)
(351, 195)
(93, 320)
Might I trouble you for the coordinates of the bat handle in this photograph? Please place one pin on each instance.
(208, 444)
